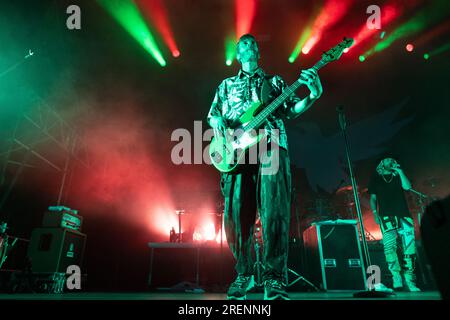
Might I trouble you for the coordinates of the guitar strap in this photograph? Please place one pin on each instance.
(266, 90)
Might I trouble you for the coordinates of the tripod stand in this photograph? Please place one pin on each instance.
(301, 278)
(259, 268)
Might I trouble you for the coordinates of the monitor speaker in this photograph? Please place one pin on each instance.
(54, 249)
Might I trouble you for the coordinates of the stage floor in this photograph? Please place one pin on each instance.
(429, 295)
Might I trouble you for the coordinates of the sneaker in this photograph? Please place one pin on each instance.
(411, 287)
(382, 288)
(238, 289)
(275, 290)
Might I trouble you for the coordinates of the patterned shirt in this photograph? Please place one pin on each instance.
(236, 94)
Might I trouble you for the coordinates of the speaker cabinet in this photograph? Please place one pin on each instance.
(54, 249)
(333, 256)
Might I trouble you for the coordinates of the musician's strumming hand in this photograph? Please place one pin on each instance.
(311, 79)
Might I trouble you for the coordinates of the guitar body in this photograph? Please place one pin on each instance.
(228, 151)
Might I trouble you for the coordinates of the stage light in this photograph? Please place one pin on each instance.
(300, 43)
(205, 231)
(245, 13)
(176, 54)
(426, 56)
(419, 22)
(437, 31)
(150, 45)
(309, 44)
(346, 50)
(197, 236)
(156, 12)
(409, 47)
(441, 49)
(330, 14)
(390, 12)
(362, 58)
(163, 219)
(126, 13)
(230, 50)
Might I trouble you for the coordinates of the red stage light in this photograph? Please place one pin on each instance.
(409, 47)
(330, 14)
(155, 10)
(245, 13)
(390, 12)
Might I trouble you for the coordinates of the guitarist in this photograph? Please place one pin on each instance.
(249, 190)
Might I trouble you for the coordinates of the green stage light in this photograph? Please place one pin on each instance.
(230, 50)
(440, 50)
(300, 43)
(362, 58)
(127, 14)
(426, 56)
(419, 22)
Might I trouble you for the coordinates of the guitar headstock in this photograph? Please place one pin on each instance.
(336, 52)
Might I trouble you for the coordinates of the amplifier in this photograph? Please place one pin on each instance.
(333, 256)
(54, 249)
(62, 217)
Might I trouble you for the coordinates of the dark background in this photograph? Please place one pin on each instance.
(124, 107)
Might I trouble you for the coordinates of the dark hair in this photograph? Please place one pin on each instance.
(246, 36)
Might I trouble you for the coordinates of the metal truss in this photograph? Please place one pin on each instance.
(42, 136)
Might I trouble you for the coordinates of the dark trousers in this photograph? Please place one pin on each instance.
(265, 187)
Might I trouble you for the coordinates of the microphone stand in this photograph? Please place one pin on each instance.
(422, 207)
(222, 223)
(371, 292)
(418, 193)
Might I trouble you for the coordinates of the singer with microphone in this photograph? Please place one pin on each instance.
(390, 209)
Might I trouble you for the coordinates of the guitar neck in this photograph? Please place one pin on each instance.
(257, 121)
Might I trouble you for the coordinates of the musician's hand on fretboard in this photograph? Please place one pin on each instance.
(311, 79)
